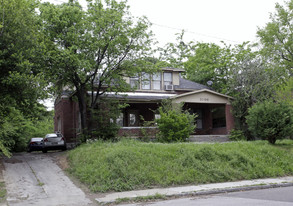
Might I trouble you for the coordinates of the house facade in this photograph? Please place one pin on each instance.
(213, 109)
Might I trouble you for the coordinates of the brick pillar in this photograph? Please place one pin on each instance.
(229, 118)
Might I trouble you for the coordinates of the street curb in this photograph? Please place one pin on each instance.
(236, 189)
(206, 192)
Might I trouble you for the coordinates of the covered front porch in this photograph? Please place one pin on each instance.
(213, 112)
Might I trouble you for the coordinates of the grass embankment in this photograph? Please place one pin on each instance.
(129, 165)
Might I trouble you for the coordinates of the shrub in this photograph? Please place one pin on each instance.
(270, 121)
(104, 118)
(174, 124)
(237, 135)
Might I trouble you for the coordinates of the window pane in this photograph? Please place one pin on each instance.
(146, 82)
(157, 76)
(168, 77)
(132, 119)
(156, 85)
(156, 81)
(119, 120)
(134, 82)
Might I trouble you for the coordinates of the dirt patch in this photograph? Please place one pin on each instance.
(12, 160)
(62, 162)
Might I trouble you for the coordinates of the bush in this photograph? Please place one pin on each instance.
(105, 117)
(174, 124)
(237, 135)
(270, 121)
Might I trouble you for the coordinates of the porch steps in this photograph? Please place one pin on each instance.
(209, 138)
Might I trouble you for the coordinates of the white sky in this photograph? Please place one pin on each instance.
(232, 21)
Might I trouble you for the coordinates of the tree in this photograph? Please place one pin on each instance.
(91, 51)
(270, 120)
(21, 79)
(209, 65)
(284, 93)
(20, 49)
(252, 80)
(175, 54)
(277, 36)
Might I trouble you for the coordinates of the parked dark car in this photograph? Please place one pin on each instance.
(54, 141)
(35, 144)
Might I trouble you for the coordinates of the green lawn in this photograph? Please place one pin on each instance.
(130, 164)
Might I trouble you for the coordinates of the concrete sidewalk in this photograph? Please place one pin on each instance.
(201, 189)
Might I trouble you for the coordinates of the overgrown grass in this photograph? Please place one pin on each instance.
(2, 192)
(130, 164)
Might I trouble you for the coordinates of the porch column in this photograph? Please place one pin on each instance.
(229, 118)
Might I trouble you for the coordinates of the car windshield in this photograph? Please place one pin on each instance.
(51, 136)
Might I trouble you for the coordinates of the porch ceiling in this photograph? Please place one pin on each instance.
(202, 96)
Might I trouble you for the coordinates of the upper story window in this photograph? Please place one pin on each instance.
(145, 81)
(167, 78)
(156, 81)
(134, 82)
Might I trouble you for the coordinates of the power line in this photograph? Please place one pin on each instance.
(196, 33)
(169, 27)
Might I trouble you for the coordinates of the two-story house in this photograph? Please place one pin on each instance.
(213, 109)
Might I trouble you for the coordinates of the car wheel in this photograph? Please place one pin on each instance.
(64, 148)
(44, 151)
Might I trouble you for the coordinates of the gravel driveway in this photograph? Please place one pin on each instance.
(35, 179)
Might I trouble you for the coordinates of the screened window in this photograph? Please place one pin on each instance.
(157, 81)
(145, 81)
(167, 78)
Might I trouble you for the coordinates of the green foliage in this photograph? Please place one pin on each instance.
(236, 135)
(285, 92)
(16, 129)
(21, 79)
(175, 54)
(210, 62)
(93, 49)
(276, 37)
(252, 80)
(130, 165)
(105, 117)
(270, 121)
(174, 123)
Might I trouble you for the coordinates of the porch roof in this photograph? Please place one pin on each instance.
(140, 96)
(202, 96)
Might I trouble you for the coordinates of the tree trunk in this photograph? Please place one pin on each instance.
(81, 96)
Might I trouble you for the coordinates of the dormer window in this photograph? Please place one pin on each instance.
(145, 81)
(156, 81)
(167, 78)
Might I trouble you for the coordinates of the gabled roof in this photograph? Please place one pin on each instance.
(185, 84)
(201, 91)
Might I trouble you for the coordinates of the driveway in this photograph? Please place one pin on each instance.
(35, 179)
